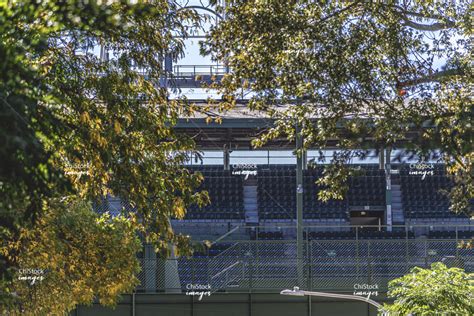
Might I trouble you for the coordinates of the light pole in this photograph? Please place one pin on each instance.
(299, 204)
(297, 292)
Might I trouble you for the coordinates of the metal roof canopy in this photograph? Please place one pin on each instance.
(239, 127)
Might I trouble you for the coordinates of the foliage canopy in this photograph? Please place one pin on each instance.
(75, 126)
(436, 291)
(364, 73)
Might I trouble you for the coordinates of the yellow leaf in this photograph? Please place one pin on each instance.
(117, 127)
(178, 208)
(85, 118)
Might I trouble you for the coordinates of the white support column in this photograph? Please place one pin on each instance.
(226, 158)
(382, 159)
(172, 282)
(150, 268)
(305, 160)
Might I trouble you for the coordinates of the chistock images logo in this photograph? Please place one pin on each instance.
(31, 276)
(199, 290)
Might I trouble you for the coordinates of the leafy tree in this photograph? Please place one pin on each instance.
(436, 291)
(81, 255)
(74, 126)
(358, 75)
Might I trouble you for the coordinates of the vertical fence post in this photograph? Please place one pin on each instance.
(357, 253)
(457, 243)
(193, 268)
(209, 267)
(369, 267)
(133, 303)
(299, 202)
(426, 252)
(250, 267)
(309, 305)
(255, 258)
(310, 263)
(407, 254)
(242, 259)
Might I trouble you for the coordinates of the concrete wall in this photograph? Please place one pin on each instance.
(228, 304)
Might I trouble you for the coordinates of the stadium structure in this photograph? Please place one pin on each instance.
(267, 232)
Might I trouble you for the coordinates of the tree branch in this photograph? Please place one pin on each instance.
(418, 14)
(336, 13)
(428, 27)
(404, 14)
(437, 76)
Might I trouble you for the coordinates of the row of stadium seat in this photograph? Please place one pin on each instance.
(427, 197)
(270, 235)
(215, 216)
(462, 234)
(334, 213)
(276, 194)
(361, 235)
(225, 192)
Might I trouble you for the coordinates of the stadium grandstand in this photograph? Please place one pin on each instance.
(265, 231)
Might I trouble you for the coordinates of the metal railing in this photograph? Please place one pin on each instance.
(213, 230)
(193, 71)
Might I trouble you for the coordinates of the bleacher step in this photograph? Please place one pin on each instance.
(397, 205)
(250, 202)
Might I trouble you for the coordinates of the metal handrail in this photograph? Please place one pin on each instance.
(225, 269)
(225, 251)
(225, 235)
(194, 70)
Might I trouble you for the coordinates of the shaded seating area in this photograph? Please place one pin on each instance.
(426, 196)
(225, 192)
(462, 234)
(372, 235)
(270, 235)
(277, 193)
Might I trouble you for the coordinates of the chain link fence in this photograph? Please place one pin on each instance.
(326, 265)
